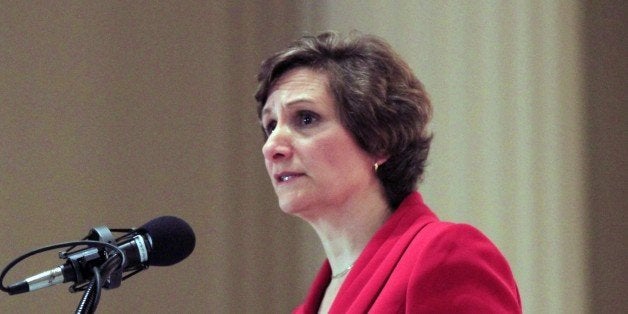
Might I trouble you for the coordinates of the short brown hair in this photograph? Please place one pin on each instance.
(380, 101)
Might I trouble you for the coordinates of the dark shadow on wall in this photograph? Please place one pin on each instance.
(605, 62)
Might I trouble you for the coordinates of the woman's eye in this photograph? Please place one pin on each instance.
(307, 118)
(270, 127)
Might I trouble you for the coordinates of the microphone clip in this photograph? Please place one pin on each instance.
(82, 261)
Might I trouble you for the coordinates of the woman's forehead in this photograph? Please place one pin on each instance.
(298, 85)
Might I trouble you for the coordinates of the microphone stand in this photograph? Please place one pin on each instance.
(91, 296)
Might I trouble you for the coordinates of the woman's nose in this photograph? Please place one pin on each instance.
(278, 145)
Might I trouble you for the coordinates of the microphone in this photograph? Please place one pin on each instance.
(163, 241)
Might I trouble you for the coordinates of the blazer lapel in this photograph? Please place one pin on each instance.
(380, 256)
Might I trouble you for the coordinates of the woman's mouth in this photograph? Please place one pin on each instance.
(287, 176)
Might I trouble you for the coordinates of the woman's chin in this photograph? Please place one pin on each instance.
(288, 208)
(292, 206)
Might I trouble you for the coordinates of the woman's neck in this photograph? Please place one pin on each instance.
(345, 231)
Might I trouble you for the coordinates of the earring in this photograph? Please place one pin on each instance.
(375, 166)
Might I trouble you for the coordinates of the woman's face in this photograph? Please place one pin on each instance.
(313, 162)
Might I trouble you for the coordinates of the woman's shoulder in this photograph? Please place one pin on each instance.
(454, 241)
(451, 234)
(457, 262)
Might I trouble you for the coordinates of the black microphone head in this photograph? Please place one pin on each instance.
(172, 240)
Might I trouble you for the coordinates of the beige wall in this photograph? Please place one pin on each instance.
(118, 112)
(115, 113)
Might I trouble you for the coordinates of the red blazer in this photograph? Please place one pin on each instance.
(417, 264)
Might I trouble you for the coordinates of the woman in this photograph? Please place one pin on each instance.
(345, 123)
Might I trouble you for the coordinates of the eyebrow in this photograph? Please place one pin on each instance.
(267, 110)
